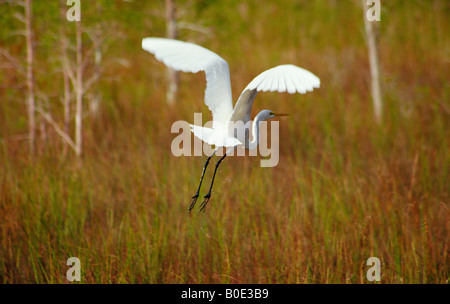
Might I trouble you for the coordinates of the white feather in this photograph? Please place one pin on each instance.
(189, 57)
(281, 78)
(214, 137)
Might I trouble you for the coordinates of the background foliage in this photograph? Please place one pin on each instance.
(345, 189)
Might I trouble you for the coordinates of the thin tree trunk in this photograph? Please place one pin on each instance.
(66, 78)
(31, 107)
(66, 83)
(79, 94)
(173, 77)
(66, 101)
(374, 67)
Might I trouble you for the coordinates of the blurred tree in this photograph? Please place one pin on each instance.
(79, 92)
(30, 76)
(171, 32)
(65, 72)
(71, 75)
(80, 63)
(30, 83)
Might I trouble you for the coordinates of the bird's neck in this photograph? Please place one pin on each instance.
(255, 132)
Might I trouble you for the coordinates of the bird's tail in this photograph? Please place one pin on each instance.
(214, 137)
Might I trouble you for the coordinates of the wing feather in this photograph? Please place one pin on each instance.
(266, 81)
(274, 85)
(189, 57)
(299, 87)
(281, 84)
(290, 86)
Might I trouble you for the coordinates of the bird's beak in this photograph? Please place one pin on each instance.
(280, 114)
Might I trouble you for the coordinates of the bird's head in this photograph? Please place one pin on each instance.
(268, 114)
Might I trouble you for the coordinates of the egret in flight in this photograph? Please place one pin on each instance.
(189, 57)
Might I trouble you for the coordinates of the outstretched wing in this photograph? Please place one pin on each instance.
(189, 57)
(283, 78)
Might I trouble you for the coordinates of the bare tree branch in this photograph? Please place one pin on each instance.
(89, 82)
(58, 130)
(13, 61)
(14, 137)
(19, 17)
(194, 27)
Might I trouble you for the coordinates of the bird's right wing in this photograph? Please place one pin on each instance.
(283, 78)
(189, 57)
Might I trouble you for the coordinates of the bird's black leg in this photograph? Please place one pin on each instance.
(207, 196)
(194, 198)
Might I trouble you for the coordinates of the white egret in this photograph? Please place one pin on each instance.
(189, 57)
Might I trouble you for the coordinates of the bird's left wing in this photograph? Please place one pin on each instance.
(283, 78)
(189, 57)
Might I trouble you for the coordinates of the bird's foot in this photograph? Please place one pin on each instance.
(205, 202)
(194, 200)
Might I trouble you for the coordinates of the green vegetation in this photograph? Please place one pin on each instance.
(345, 189)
